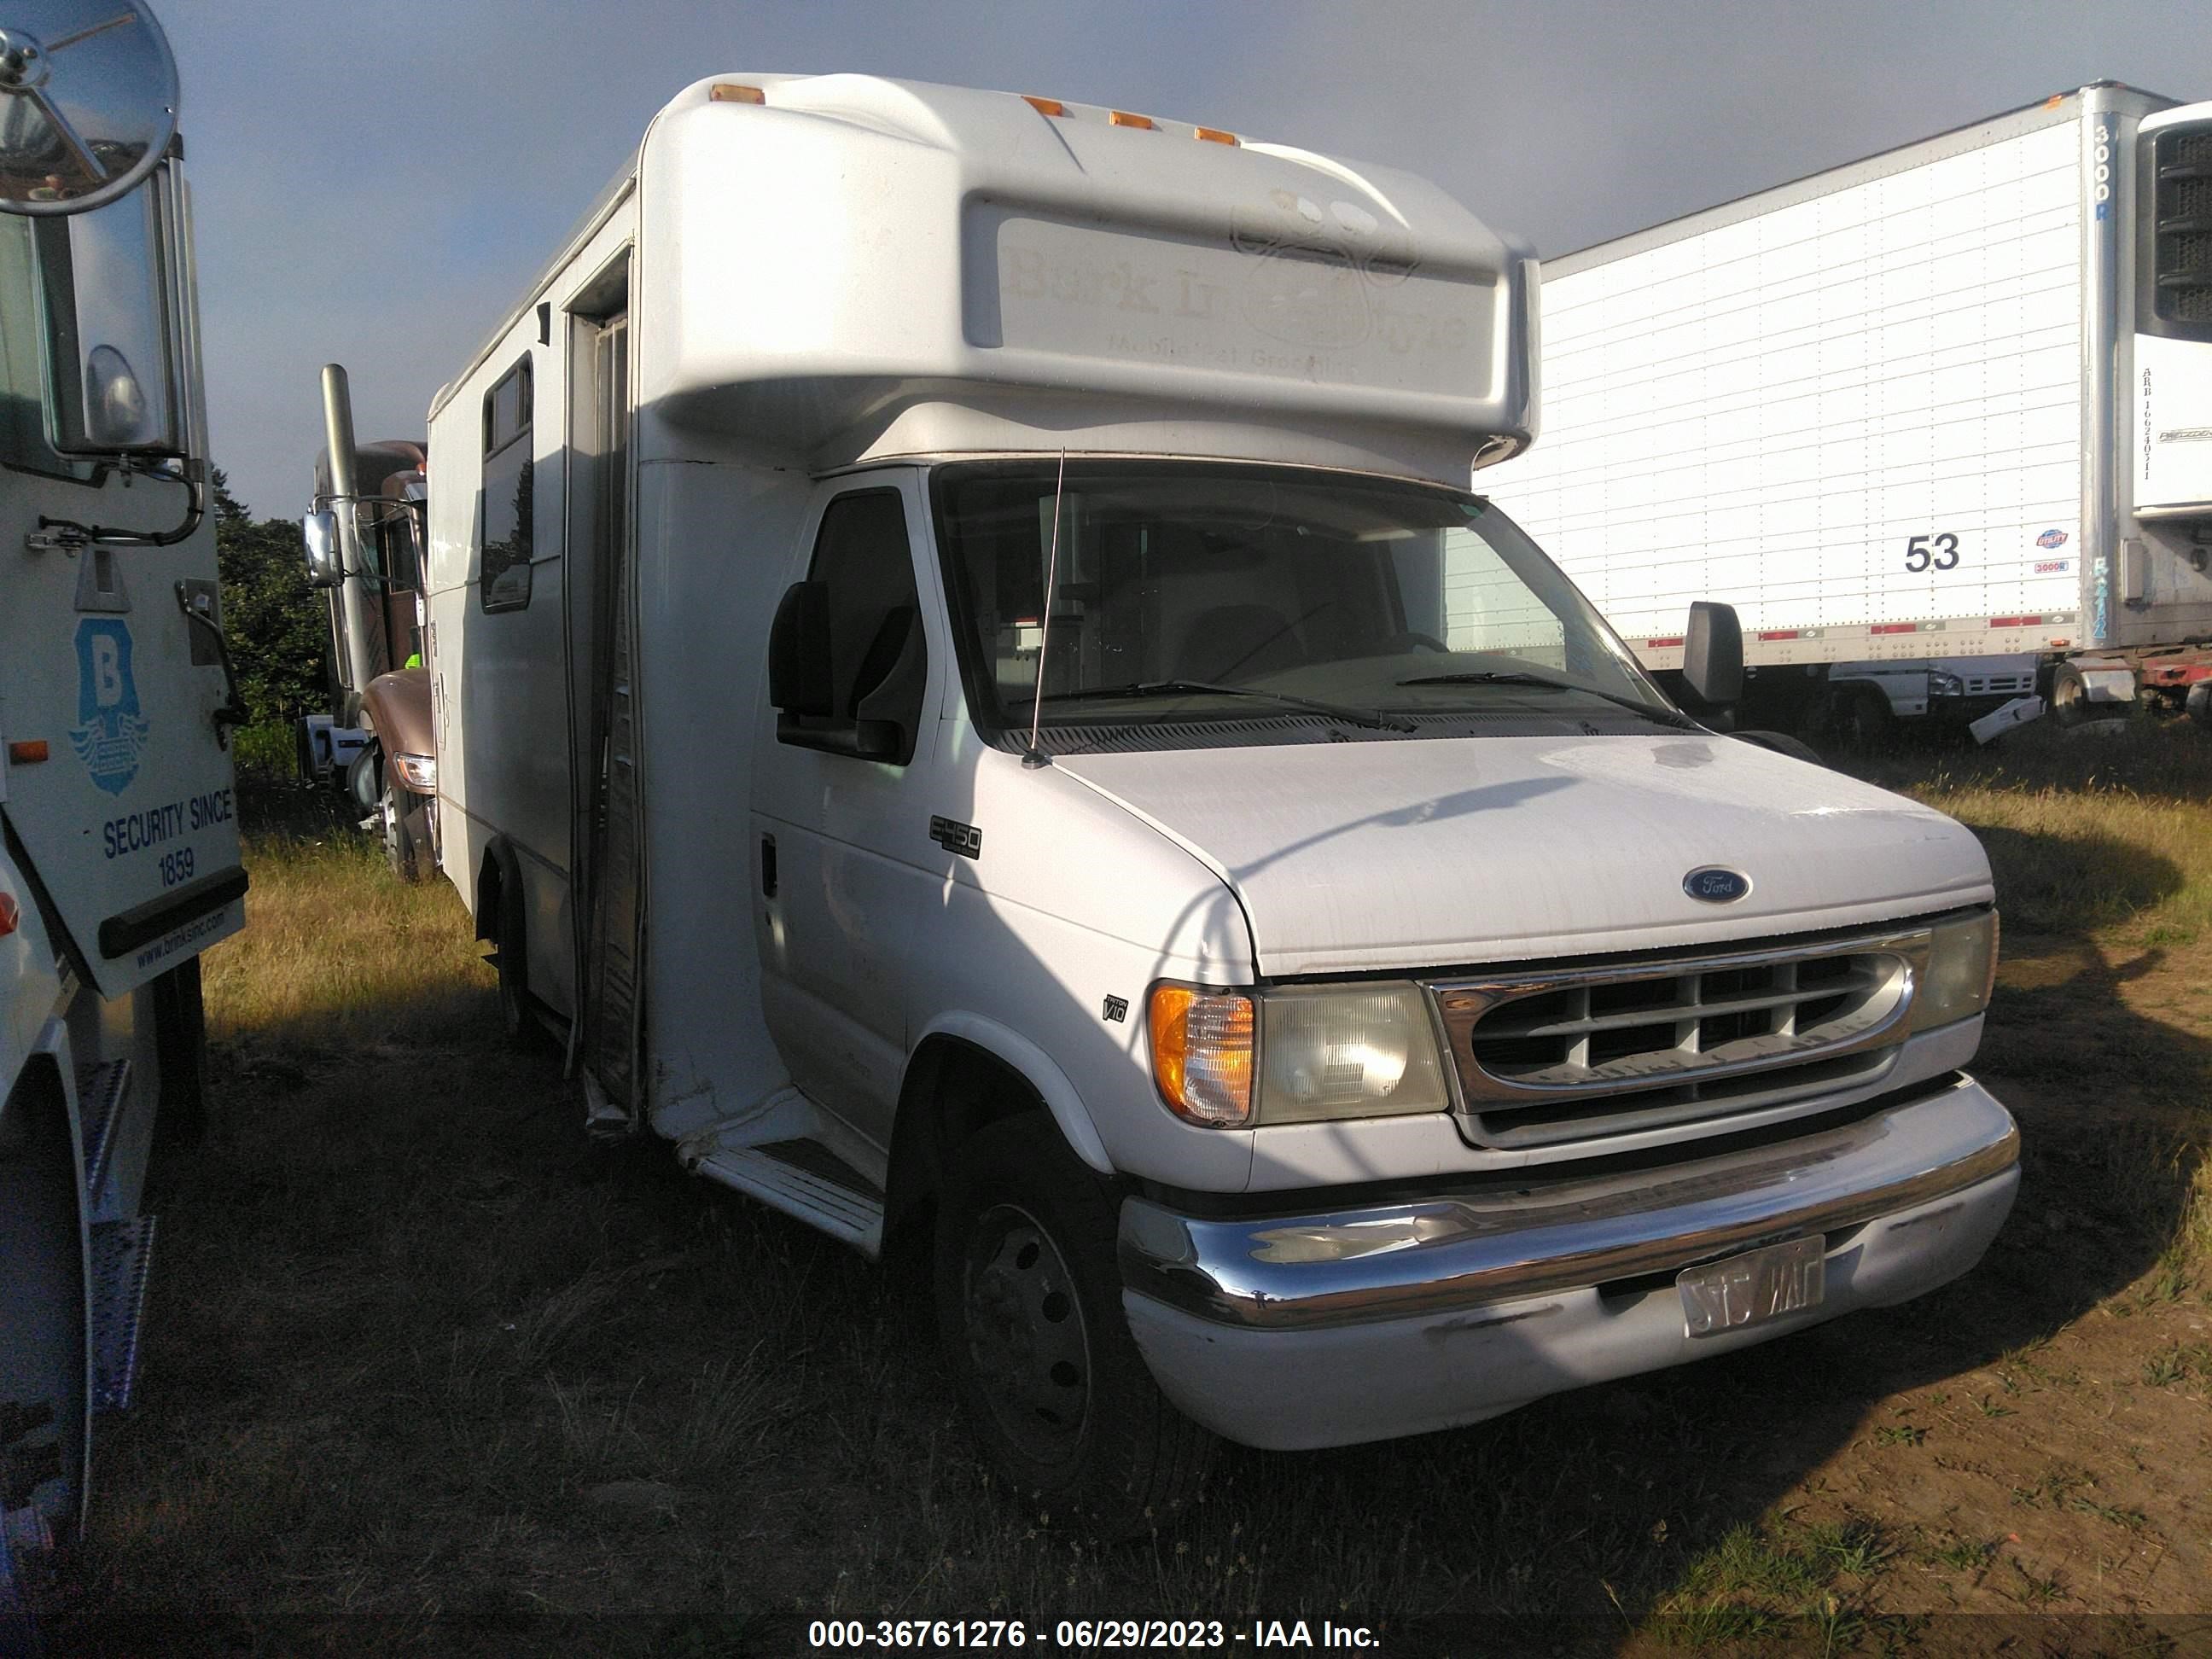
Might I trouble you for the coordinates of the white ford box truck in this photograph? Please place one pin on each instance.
(1925, 421)
(118, 839)
(971, 689)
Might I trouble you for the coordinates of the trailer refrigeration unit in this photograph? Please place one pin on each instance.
(989, 719)
(118, 844)
(1908, 416)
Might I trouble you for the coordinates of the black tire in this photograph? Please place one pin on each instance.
(1028, 1312)
(402, 852)
(364, 779)
(2070, 704)
(2069, 697)
(1855, 719)
(2199, 704)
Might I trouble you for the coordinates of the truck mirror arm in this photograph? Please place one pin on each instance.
(68, 535)
(417, 510)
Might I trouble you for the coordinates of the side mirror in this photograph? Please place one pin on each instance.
(117, 326)
(798, 680)
(321, 532)
(1712, 654)
(81, 129)
(890, 715)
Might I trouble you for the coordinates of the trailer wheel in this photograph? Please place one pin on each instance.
(1028, 1312)
(1855, 719)
(2070, 697)
(2200, 704)
(403, 853)
(1867, 720)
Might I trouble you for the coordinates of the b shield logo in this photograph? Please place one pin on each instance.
(110, 730)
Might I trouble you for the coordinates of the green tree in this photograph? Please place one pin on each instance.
(278, 626)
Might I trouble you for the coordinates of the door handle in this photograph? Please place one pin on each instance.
(197, 601)
(768, 866)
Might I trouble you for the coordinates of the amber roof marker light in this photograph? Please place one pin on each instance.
(1044, 106)
(1214, 135)
(1121, 118)
(729, 92)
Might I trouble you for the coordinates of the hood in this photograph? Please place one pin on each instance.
(1455, 853)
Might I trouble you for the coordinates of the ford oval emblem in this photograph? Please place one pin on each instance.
(1715, 885)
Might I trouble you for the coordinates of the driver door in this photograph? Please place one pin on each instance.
(844, 882)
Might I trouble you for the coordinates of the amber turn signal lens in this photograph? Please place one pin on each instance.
(1202, 1054)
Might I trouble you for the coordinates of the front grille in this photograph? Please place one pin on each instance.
(1550, 1057)
(2181, 275)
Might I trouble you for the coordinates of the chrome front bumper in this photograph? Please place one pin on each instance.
(1344, 1326)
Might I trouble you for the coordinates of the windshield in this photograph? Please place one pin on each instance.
(1336, 604)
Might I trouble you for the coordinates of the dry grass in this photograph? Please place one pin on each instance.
(2087, 829)
(427, 1373)
(340, 953)
(2102, 840)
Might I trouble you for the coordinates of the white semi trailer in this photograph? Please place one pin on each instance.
(118, 839)
(1946, 406)
(951, 696)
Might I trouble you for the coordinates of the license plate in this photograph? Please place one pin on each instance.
(1752, 1288)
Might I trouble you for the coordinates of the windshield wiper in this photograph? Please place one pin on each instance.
(1176, 688)
(1651, 711)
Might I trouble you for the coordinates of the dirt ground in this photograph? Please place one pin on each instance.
(426, 1373)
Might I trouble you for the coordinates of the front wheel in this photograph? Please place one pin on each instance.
(1029, 1311)
(363, 779)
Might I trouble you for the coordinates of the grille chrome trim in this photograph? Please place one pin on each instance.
(1862, 997)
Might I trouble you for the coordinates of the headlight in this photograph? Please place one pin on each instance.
(1962, 970)
(1339, 1052)
(1363, 1051)
(418, 772)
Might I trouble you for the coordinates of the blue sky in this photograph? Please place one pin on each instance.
(374, 185)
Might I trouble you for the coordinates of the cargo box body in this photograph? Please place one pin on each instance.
(1895, 410)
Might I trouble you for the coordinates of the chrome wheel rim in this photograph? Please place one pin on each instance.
(1026, 1338)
